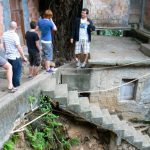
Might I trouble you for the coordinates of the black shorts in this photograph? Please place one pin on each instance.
(34, 58)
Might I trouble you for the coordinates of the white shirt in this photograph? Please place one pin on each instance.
(11, 40)
(83, 35)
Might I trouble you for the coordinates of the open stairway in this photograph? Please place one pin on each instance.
(94, 114)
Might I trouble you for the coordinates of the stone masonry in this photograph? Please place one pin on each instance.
(112, 100)
(108, 12)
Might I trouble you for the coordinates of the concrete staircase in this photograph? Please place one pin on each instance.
(94, 114)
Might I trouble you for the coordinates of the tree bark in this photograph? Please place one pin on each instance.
(64, 14)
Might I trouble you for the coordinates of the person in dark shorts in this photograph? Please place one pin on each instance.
(32, 40)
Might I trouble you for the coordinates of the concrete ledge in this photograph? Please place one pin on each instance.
(14, 106)
(145, 48)
(2, 73)
(119, 62)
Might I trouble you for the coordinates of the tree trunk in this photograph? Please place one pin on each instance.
(65, 12)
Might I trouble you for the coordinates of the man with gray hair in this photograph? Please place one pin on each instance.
(14, 52)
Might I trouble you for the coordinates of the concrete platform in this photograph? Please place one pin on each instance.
(110, 51)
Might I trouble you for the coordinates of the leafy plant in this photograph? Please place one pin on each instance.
(9, 145)
(36, 139)
(31, 99)
(109, 32)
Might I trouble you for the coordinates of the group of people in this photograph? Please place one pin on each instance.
(81, 35)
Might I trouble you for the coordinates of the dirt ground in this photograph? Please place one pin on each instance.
(91, 138)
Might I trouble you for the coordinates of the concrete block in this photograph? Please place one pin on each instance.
(96, 114)
(137, 137)
(117, 128)
(107, 121)
(48, 87)
(145, 48)
(61, 94)
(77, 81)
(2, 73)
(73, 101)
(146, 142)
(85, 108)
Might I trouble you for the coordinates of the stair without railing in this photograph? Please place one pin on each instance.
(94, 114)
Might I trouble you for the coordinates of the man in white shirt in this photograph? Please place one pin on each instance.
(14, 52)
(81, 34)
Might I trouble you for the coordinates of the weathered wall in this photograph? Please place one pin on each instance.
(33, 6)
(107, 79)
(108, 12)
(146, 21)
(135, 11)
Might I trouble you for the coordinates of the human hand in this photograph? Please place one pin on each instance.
(25, 59)
(71, 41)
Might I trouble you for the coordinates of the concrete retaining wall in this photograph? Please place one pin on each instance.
(14, 106)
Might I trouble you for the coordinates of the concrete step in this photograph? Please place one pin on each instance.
(107, 121)
(96, 114)
(137, 137)
(128, 135)
(85, 108)
(73, 101)
(146, 142)
(145, 48)
(61, 94)
(49, 87)
(117, 127)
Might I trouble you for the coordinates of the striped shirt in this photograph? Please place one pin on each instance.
(11, 40)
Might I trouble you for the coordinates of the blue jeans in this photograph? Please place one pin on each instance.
(17, 69)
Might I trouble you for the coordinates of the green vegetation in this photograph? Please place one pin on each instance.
(9, 145)
(46, 133)
(109, 32)
(51, 134)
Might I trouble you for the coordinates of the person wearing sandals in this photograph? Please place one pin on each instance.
(7, 66)
(46, 26)
(81, 35)
(32, 40)
(14, 52)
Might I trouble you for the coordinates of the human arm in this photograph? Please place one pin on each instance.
(54, 26)
(91, 26)
(20, 50)
(37, 43)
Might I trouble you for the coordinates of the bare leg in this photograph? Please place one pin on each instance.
(35, 70)
(78, 56)
(31, 71)
(86, 57)
(47, 64)
(9, 73)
